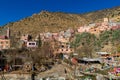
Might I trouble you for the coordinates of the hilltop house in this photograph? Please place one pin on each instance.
(97, 28)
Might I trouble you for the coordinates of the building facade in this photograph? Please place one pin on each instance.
(4, 44)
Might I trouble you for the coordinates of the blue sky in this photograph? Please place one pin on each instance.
(15, 10)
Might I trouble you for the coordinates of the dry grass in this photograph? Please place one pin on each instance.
(57, 21)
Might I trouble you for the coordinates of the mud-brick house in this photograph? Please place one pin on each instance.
(63, 40)
(106, 20)
(46, 36)
(55, 36)
(65, 50)
(94, 30)
(26, 41)
(4, 43)
(25, 38)
(116, 26)
(4, 38)
(63, 46)
(83, 29)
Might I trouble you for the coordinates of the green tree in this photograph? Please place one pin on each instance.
(116, 36)
(116, 40)
(105, 37)
(118, 48)
(85, 42)
(39, 41)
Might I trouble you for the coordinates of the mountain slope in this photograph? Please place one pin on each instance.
(112, 13)
(57, 21)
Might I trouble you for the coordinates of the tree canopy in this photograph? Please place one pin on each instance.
(85, 42)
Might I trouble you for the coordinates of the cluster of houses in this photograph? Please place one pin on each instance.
(63, 38)
(97, 28)
(62, 41)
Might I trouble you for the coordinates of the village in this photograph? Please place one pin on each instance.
(58, 59)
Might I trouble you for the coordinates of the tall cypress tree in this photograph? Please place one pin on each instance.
(39, 41)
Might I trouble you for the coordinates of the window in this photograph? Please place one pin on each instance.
(33, 43)
(62, 46)
(1, 42)
(6, 42)
(30, 44)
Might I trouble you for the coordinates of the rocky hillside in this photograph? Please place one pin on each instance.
(57, 21)
(113, 14)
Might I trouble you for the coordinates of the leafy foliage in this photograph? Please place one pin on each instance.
(86, 41)
(116, 36)
(105, 37)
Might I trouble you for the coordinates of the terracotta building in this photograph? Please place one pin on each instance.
(63, 48)
(4, 44)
